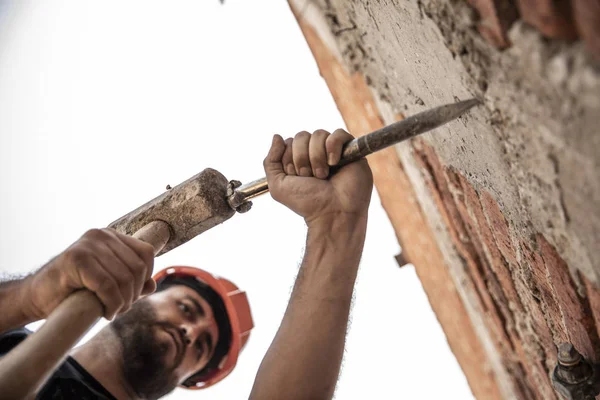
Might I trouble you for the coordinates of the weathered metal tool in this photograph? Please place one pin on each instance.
(208, 199)
(169, 220)
(368, 144)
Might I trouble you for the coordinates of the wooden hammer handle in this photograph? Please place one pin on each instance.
(25, 369)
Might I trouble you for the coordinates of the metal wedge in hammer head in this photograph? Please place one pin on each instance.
(190, 208)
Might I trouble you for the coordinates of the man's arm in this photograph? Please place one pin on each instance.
(117, 268)
(14, 303)
(304, 359)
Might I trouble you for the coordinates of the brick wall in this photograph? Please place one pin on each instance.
(529, 300)
(562, 19)
(359, 111)
(497, 211)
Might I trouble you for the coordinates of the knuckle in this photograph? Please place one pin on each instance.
(301, 157)
(332, 139)
(109, 231)
(117, 234)
(107, 285)
(125, 287)
(341, 131)
(338, 139)
(301, 135)
(320, 133)
(93, 234)
(139, 268)
(78, 254)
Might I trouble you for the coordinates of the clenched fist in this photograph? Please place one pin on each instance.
(298, 176)
(116, 267)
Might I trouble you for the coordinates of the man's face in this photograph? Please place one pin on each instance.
(166, 337)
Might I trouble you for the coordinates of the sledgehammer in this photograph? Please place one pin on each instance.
(171, 219)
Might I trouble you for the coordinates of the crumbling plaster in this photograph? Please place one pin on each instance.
(534, 144)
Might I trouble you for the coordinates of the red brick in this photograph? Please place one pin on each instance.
(587, 20)
(442, 183)
(467, 203)
(435, 179)
(357, 106)
(460, 206)
(541, 283)
(540, 332)
(551, 17)
(499, 227)
(521, 387)
(488, 246)
(593, 295)
(541, 380)
(496, 17)
(547, 298)
(537, 374)
(470, 248)
(438, 186)
(440, 189)
(482, 237)
(497, 263)
(569, 302)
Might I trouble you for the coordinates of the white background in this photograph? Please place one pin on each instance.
(102, 104)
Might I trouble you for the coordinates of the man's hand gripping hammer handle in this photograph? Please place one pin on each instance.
(26, 368)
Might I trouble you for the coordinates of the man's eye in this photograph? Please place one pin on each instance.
(184, 307)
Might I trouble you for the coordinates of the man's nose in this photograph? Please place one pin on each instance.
(191, 332)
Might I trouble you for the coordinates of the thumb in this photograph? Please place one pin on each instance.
(272, 163)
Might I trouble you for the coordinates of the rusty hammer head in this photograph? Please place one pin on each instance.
(189, 209)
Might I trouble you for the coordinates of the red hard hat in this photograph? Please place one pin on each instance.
(238, 312)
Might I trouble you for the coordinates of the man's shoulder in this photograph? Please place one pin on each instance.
(72, 381)
(69, 381)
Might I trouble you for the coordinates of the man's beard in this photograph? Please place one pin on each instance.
(144, 368)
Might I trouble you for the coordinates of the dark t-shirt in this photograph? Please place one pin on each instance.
(69, 381)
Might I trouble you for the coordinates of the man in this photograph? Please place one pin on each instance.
(189, 331)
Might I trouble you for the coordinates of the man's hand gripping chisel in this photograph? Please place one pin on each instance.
(169, 220)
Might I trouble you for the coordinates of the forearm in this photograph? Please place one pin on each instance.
(14, 304)
(304, 359)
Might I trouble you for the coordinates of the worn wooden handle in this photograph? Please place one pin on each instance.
(25, 369)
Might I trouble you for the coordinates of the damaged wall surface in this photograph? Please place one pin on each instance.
(509, 194)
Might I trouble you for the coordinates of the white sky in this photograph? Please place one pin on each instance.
(102, 104)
